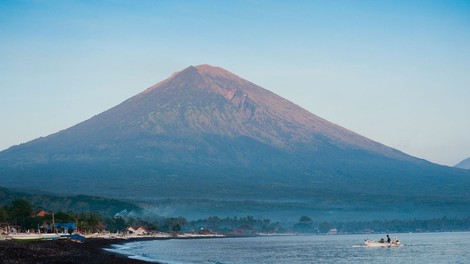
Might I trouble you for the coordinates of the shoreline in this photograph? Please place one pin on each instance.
(65, 251)
(93, 250)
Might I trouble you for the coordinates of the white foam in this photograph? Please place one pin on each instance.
(143, 258)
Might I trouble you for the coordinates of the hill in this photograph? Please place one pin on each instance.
(464, 164)
(206, 133)
(77, 204)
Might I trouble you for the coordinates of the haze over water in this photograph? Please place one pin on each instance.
(417, 248)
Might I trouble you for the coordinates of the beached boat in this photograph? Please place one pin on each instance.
(25, 237)
(381, 243)
(91, 235)
(33, 237)
(77, 238)
(50, 236)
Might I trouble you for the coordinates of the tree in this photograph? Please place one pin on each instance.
(89, 222)
(4, 215)
(175, 223)
(20, 211)
(305, 225)
(62, 217)
(116, 223)
(305, 219)
(325, 227)
(176, 228)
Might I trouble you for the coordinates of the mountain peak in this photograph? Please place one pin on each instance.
(215, 72)
(226, 104)
(207, 78)
(187, 74)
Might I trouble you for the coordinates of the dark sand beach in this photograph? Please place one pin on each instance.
(63, 251)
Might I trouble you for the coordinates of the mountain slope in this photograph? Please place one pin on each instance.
(205, 132)
(77, 204)
(464, 164)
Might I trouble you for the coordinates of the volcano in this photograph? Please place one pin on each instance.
(207, 133)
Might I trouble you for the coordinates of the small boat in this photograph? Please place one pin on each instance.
(382, 243)
(50, 236)
(26, 237)
(77, 238)
(33, 237)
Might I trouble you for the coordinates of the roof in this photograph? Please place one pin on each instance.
(42, 213)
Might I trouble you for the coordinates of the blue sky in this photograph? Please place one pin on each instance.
(397, 72)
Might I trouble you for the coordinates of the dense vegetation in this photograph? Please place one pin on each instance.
(93, 214)
(247, 225)
(22, 216)
(306, 225)
(250, 225)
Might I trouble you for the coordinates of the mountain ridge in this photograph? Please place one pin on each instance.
(464, 164)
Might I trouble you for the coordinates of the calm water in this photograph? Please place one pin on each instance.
(418, 248)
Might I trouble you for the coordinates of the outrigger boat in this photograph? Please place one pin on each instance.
(25, 237)
(382, 243)
(50, 236)
(33, 237)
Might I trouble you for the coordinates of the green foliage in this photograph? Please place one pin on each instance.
(62, 217)
(305, 225)
(20, 212)
(4, 218)
(404, 226)
(305, 219)
(325, 227)
(89, 222)
(176, 228)
(174, 224)
(33, 222)
(115, 224)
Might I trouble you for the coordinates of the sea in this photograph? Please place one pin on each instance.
(416, 248)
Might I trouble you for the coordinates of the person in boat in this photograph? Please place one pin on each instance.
(388, 239)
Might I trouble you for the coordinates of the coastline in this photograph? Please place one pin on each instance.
(64, 251)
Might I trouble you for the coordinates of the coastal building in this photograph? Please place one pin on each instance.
(137, 230)
(333, 231)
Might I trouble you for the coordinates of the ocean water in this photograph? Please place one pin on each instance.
(417, 248)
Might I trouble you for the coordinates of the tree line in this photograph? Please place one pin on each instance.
(443, 224)
(22, 215)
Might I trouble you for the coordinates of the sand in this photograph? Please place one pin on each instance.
(62, 251)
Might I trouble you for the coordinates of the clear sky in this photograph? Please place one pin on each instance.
(397, 72)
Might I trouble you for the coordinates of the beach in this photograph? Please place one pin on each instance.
(63, 251)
